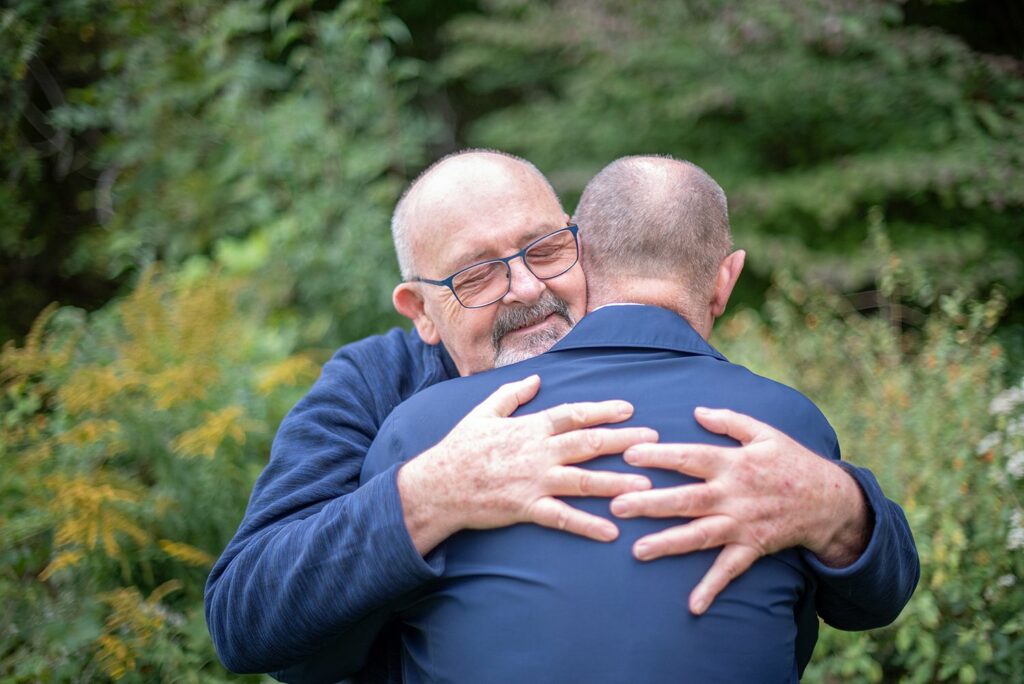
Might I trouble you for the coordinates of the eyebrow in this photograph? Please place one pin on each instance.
(466, 260)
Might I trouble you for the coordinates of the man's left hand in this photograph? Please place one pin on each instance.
(766, 495)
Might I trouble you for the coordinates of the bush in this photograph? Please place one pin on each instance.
(807, 113)
(261, 136)
(131, 440)
(923, 406)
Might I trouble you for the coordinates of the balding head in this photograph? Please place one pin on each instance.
(460, 188)
(653, 218)
(481, 206)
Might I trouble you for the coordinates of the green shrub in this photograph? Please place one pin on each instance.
(261, 136)
(807, 113)
(923, 406)
(131, 441)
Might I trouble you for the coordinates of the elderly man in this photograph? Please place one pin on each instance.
(315, 554)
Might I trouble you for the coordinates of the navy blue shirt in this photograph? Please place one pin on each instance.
(317, 557)
(526, 603)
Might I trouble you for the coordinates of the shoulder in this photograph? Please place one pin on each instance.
(426, 417)
(397, 358)
(779, 405)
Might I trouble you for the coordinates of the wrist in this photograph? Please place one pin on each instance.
(847, 530)
(427, 517)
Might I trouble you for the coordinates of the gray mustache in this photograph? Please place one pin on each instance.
(509, 320)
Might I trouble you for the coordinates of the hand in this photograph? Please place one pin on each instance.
(766, 495)
(492, 470)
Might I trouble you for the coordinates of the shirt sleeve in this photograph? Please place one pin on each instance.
(872, 591)
(369, 649)
(316, 553)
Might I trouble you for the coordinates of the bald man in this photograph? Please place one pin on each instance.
(315, 555)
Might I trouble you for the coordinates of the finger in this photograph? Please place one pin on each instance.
(740, 427)
(699, 460)
(582, 445)
(506, 399)
(550, 512)
(696, 535)
(583, 414)
(685, 501)
(731, 562)
(570, 481)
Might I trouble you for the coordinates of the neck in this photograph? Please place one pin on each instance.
(666, 294)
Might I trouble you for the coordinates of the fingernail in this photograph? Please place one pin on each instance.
(639, 483)
(699, 606)
(650, 435)
(609, 532)
(701, 411)
(642, 551)
(621, 507)
(634, 455)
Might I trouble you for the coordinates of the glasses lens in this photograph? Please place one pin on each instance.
(482, 284)
(553, 255)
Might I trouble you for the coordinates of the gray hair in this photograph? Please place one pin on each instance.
(401, 219)
(654, 217)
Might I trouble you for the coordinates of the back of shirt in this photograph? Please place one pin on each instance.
(526, 603)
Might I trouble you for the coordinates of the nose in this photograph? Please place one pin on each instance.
(525, 288)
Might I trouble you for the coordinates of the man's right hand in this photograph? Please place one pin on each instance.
(493, 470)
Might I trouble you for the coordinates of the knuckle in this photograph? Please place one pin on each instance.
(592, 439)
(703, 496)
(587, 482)
(681, 460)
(562, 519)
(680, 500)
(554, 417)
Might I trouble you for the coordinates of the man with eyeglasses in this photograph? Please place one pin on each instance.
(316, 556)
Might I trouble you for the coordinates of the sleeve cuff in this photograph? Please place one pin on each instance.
(407, 566)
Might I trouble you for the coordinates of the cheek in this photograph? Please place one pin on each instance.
(572, 287)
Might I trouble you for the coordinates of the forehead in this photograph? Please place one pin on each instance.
(480, 219)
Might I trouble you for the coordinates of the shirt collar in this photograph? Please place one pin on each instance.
(649, 327)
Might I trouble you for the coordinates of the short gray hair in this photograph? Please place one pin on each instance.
(400, 219)
(654, 216)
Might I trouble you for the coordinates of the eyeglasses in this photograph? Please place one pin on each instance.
(487, 282)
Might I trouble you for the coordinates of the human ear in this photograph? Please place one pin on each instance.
(408, 301)
(725, 281)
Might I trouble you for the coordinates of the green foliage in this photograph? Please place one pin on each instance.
(257, 147)
(807, 113)
(270, 138)
(130, 442)
(925, 409)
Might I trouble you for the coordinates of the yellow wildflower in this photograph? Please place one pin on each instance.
(186, 553)
(207, 438)
(292, 371)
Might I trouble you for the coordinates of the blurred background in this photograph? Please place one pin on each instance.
(194, 207)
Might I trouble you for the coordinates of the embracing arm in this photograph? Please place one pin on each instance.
(870, 590)
(491, 470)
(315, 552)
(771, 493)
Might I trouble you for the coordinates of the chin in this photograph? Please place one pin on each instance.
(521, 348)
